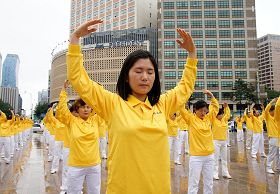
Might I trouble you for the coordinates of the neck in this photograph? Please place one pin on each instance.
(141, 97)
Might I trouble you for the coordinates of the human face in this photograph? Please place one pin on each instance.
(74, 113)
(84, 111)
(220, 116)
(201, 112)
(257, 113)
(141, 77)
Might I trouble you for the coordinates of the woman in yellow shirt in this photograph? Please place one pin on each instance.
(201, 143)
(249, 129)
(272, 133)
(258, 140)
(138, 158)
(84, 159)
(239, 122)
(220, 128)
(172, 134)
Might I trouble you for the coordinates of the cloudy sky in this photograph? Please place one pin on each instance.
(32, 28)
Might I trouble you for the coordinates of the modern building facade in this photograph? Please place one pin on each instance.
(10, 71)
(269, 61)
(224, 32)
(10, 95)
(43, 96)
(116, 14)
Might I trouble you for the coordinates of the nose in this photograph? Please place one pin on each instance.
(144, 76)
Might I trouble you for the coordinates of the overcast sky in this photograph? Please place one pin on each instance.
(32, 28)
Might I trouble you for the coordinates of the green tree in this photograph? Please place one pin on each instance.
(244, 91)
(5, 107)
(41, 110)
(272, 93)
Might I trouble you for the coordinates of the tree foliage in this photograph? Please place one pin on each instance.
(244, 91)
(41, 110)
(5, 107)
(272, 94)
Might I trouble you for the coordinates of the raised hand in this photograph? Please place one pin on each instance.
(84, 30)
(187, 43)
(208, 93)
(225, 104)
(66, 84)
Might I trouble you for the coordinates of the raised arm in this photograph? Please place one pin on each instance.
(101, 100)
(3, 117)
(185, 114)
(213, 107)
(226, 112)
(277, 114)
(62, 112)
(178, 96)
(267, 108)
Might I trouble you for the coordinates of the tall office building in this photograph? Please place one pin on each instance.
(224, 32)
(10, 71)
(117, 14)
(10, 95)
(269, 61)
(43, 96)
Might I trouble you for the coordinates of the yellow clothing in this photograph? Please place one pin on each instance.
(183, 126)
(102, 127)
(257, 122)
(172, 127)
(249, 121)
(138, 159)
(3, 117)
(220, 127)
(84, 138)
(239, 121)
(200, 133)
(5, 126)
(271, 125)
(277, 118)
(64, 130)
(57, 127)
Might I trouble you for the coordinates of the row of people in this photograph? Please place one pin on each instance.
(14, 133)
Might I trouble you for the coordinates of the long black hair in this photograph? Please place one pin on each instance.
(123, 88)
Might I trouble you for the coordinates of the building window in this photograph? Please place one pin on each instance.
(241, 75)
(224, 23)
(239, 43)
(169, 54)
(123, 21)
(130, 9)
(169, 24)
(198, 43)
(240, 64)
(170, 85)
(182, 14)
(238, 33)
(199, 85)
(212, 75)
(169, 34)
(209, 4)
(200, 54)
(182, 5)
(226, 74)
(196, 24)
(211, 54)
(168, 14)
(223, 4)
(195, 4)
(168, 5)
(197, 33)
(169, 64)
(182, 54)
(239, 53)
(170, 74)
(196, 14)
(226, 95)
(237, 13)
(210, 14)
(212, 85)
(212, 64)
(169, 44)
(226, 64)
(131, 19)
(225, 43)
(200, 75)
(210, 33)
(237, 3)
(227, 85)
(225, 54)
(200, 64)
(211, 44)
(181, 64)
(180, 73)
(224, 34)
(210, 23)
(224, 13)
(198, 95)
(182, 24)
(238, 23)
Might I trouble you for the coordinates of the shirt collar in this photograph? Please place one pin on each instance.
(133, 101)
